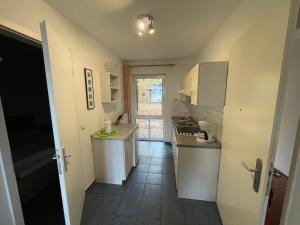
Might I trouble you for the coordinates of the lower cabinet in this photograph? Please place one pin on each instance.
(196, 171)
(113, 159)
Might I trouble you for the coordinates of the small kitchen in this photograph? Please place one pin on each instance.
(160, 112)
(196, 147)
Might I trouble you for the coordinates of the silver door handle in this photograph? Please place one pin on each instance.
(248, 168)
(66, 159)
(256, 171)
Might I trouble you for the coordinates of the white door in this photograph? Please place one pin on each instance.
(10, 204)
(61, 90)
(148, 107)
(253, 80)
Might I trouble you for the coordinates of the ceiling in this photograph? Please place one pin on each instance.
(182, 26)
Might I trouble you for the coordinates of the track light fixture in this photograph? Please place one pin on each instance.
(145, 24)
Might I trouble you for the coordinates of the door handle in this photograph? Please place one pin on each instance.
(66, 159)
(256, 171)
(248, 168)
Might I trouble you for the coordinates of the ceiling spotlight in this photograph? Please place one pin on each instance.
(151, 28)
(145, 24)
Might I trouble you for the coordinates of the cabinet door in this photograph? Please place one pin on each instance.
(128, 155)
(194, 77)
(212, 83)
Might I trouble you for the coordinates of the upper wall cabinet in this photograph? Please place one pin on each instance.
(190, 82)
(109, 84)
(207, 83)
(212, 83)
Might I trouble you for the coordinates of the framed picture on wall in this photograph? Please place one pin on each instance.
(88, 75)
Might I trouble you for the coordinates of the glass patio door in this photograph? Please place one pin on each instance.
(148, 107)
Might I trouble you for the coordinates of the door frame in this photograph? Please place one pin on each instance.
(134, 115)
(8, 174)
(7, 170)
(6, 161)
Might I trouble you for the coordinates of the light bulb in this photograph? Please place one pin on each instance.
(141, 25)
(140, 33)
(151, 31)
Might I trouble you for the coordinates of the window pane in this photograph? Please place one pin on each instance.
(143, 132)
(156, 129)
(149, 96)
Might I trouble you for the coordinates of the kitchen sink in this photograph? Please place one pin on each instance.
(186, 123)
(188, 130)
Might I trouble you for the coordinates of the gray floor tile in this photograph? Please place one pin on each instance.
(106, 189)
(213, 215)
(159, 154)
(134, 189)
(150, 209)
(123, 220)
(145, 160)
(168, 170)
(157, 160)
(128, 206)
(155, 169)
(169, 193)
(142, 221)
(169, 180)
(97, 219)
(168, 161)
(141, 167)
(195, 214)
(152, 191)
(154, 179)
(106, 204)
(137, 177)
(153, 203)
(163, 222)
(173, 211)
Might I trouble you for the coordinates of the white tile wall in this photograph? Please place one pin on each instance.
(213, 115)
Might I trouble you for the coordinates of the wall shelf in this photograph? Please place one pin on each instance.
(110, 87)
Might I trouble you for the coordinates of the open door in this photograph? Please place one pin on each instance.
(62, 97)
(254, 75)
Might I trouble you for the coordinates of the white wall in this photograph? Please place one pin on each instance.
(24, 16)
(173, 83)
(218, 48)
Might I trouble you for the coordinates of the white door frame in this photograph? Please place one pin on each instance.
(134, 100)
(8, 175)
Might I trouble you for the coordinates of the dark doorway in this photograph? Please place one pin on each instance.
(24, 96)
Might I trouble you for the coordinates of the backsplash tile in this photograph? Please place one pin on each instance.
(213, 115)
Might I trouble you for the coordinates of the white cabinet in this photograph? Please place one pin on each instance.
(128, 145)
(212, 83)
(190, 82)
(110, 87)
(196, 171)
(207, 83)
(113, 159)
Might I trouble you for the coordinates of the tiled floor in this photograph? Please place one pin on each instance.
(148, 197)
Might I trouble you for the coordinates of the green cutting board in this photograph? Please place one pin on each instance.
(102, 134)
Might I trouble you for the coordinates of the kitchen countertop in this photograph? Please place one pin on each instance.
(191, 141)
(124, 131)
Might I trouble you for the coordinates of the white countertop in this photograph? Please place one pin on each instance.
(124, 131)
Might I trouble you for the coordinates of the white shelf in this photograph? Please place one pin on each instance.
(109, 87)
